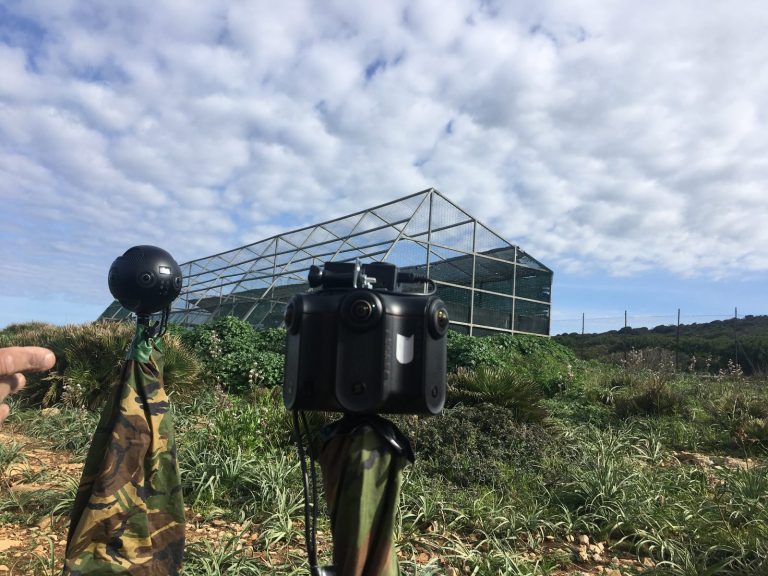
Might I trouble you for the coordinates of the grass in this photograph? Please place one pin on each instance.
(505, 482)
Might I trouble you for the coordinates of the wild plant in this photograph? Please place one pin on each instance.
(65, 429)
(732, 371)
(10, 454)
(280, 526)
(43, 563)
(499, 386)
(204, 558)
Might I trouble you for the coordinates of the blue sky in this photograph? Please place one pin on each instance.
(622, 144)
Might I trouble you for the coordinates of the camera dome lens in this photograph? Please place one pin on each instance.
(442, 318)
(361, 310)
(438, 319)
(146, 279)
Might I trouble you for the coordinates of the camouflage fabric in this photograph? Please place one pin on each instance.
(362, 459)
(128, 516)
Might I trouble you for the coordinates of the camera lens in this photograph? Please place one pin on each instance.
(361, 310)
(292, 314)
(442, 318)
(438, 318)
(146, 279)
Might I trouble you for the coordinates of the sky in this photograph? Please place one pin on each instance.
(621, 143)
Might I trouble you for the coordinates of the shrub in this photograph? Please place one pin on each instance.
(237, 356)
(271, 340)
(550, 364)
(267, 369)
(89, 360)
(653, 397)
(255, 427)
(741, 411)
(500, 386)
(469, 352)
(481, 444)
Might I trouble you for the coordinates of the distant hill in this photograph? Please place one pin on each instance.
(743, 340)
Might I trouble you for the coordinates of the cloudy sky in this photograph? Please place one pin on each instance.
(621, 143)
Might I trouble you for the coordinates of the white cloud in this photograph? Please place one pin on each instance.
(626, 137)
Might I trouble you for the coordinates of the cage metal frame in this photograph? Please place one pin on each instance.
(255, 281)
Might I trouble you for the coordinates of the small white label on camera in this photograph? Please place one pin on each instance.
(404, 349)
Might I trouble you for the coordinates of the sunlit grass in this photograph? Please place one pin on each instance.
(617, 480)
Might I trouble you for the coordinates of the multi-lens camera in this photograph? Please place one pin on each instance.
(145, 280)
(359, 344)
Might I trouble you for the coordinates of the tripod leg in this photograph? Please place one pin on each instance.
(362, 476)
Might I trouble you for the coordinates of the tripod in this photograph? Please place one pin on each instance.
(362, 458)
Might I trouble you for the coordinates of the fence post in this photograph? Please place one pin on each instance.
(735, 336)
(677, 343)
(625, 337)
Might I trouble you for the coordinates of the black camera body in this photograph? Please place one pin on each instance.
(360, 345)
(145, 280)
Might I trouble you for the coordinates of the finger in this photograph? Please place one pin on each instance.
(25, 359)
(4, 409)
(14, 382)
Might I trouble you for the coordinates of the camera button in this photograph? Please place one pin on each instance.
(359, 387)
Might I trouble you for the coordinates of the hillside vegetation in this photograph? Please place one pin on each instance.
(541, 464)
(708, 347)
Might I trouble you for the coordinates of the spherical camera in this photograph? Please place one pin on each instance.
(145, 280)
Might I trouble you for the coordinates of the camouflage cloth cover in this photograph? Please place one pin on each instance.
(128, 516)
(362, 459)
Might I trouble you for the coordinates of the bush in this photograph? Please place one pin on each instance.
(237, 356)
(542, 360)
(271, 340)
(500, 386)
(654, 396)
(268, 368)
(481, 444)
(741, 411)
(89, 360)
(469, 352)
(256, 427)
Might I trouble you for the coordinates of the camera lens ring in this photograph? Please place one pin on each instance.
(438, 318)
(361, 310)
(292, 315)
(146, 279)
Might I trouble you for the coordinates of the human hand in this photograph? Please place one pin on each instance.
(16, 360)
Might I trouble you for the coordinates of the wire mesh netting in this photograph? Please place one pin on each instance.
(488, 284)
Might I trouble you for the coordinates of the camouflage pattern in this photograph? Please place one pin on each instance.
(128, 516)
(362, 459)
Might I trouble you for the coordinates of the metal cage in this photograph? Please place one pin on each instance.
(488, 284)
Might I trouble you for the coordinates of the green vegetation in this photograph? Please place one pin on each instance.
(665, 471)
(713, 347)
(89, 359)
(236, 356)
